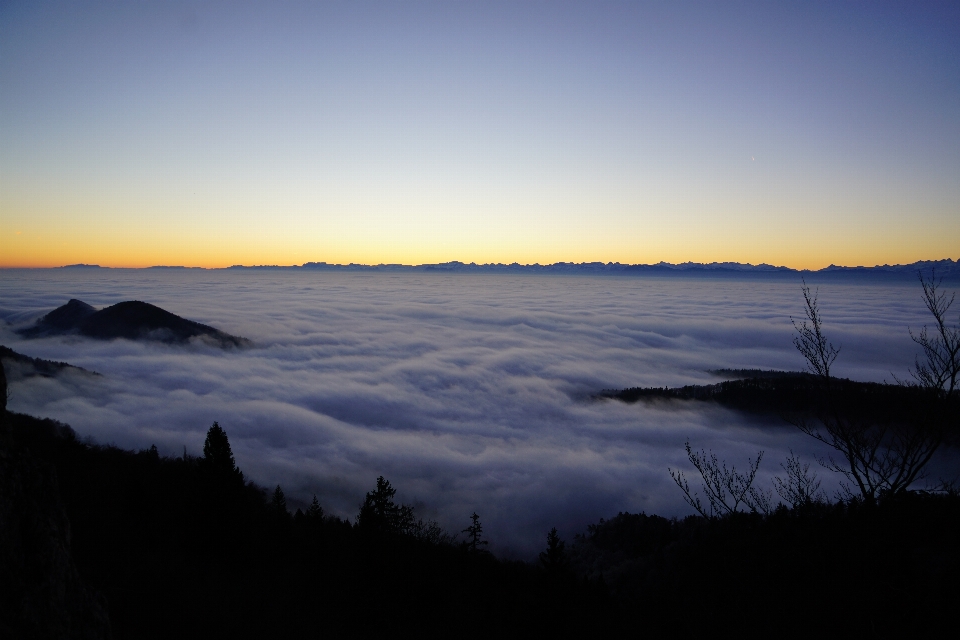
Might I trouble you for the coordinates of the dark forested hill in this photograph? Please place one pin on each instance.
(19, 365)
(791, 395)
(133, 320)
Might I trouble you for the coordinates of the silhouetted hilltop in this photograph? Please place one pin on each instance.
(69, 316)
(132, 320)
(748, 390)
(794, 395)
(22, 366)
(789, 393)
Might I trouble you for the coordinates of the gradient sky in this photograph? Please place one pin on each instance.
(210, 134)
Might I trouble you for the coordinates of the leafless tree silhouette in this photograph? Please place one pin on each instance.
(940, 367)
(810, 341)
(880, 456)
(728, 491)
(800, 487)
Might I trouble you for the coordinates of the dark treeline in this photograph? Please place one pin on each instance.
(37, 366)
(791, 394)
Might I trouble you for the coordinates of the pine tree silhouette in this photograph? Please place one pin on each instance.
(554, 559)
(218, 457)
(380, 513)
(279, 501)
(475, 534)
(315, 511)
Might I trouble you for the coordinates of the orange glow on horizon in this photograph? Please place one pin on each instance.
(138, 260)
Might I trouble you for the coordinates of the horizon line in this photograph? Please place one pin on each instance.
(455, 264)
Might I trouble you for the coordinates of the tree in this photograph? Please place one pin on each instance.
(554, 559)
(380, 513)
(800, 487)
(727, 490)
(810, 341)
(881, 455)
(430, 531)
(940, 367)
(315, 512)
(279, 501)
(218, 457)
(474, 534)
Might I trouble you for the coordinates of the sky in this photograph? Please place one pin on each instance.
(467, 392)
(211, 134)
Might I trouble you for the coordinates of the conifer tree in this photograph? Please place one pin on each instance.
(217, 455)
(554, 559)
(279, 501)
(475, 534)
(315, 512)
(380, 513)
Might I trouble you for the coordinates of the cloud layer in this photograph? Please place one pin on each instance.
(470, 393)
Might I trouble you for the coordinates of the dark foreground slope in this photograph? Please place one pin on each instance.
(133, 320)
(174, 550)
(833, 570)
(42, 594)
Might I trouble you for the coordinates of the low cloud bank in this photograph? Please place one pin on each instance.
(469, 393)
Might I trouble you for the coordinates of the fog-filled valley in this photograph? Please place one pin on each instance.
(470, 393)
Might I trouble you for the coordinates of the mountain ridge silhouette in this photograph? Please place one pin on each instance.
(131, 320)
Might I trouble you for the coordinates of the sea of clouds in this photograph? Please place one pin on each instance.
(468, 392)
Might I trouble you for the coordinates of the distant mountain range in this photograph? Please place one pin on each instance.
(949, 269)
(133, 320)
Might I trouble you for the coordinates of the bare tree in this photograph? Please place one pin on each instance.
(800, 487)
(728, 491)
(810, 341)
(941, 349)
(880, 456)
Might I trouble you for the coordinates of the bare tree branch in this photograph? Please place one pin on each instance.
(727, 490)
(811, 342)
(881, 455)
(940, 366)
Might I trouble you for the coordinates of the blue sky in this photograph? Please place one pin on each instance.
(219, 133)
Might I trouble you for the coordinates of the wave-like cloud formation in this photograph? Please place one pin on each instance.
(468, 392)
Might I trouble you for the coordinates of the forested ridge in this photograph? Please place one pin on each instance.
(786, 396)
